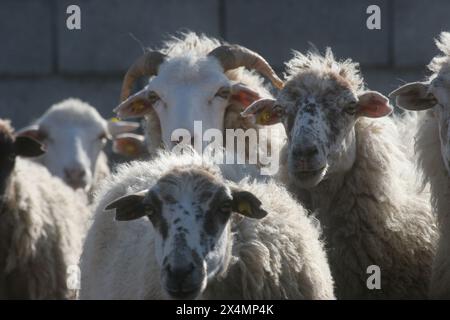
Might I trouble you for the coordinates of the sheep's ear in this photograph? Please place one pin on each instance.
(28, 147)
(373, 104)
(414, 96)
(243, 95)
(264, 112)
(32, 131)
(137, 105)
(129, 207)
(129, 145)
(247, 204)
(115, 126)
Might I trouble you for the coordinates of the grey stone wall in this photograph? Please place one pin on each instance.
(42, 62)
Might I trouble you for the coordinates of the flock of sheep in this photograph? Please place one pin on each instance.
(357, 186)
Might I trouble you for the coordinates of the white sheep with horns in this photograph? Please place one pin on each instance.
(354, 173)
(432, 146)
(74, 134)
(174, 227)
(197, 78)
(42, 224)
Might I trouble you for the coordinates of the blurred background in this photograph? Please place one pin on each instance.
(42, 62)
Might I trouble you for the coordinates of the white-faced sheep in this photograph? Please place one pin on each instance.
(42, 223)
(352, 171)
(208, 238)
(196, 78)
(74, 134)
(433, 151)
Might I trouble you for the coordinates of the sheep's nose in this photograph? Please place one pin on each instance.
(75, 177)
(305, 152)
(180, 273)
(183, 277)
(305, 156)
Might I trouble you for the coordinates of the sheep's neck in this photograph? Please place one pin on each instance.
(322, 196)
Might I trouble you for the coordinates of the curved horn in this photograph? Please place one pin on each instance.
(234, 56)
(146, 65)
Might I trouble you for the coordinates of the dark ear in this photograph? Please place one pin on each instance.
(414, 96)
(28, 147)
(247, 204)
(264, 112)
(373, 104)
(129, 145)
(32, 131)
(243, 95)
(129, 207)
(138, 105)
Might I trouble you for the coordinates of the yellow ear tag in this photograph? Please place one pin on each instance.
(114, 119)
(244, 208)
(137, 107)
(265, 117)
(130, 149)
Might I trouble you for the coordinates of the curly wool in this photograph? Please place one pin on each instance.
(375, 215)
(279, 257)
(442, 63)
(301, 66)
(434, 174)
(43, 222)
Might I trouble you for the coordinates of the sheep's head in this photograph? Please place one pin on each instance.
(433, 94)
(10, 147)
(319, 106)
(74, 133)
(190, 209)
(189, 88)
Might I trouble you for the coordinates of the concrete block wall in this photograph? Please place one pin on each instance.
(42, 62)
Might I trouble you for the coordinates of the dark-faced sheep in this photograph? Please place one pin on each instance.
(175, 228)
(354, 173)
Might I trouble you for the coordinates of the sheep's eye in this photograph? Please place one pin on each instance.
(226, 206)
(43, 135)
(153, 97)
(279, 110)
(223, 93)
(148, 209)
(102, 136)
(47, 139)
(351, 108)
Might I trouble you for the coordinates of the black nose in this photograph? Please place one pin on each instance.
(179, 274)
(305, 152)
(75, 176)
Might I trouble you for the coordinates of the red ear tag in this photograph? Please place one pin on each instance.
(245, 98)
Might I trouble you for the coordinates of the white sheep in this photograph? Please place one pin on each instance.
(208, 238)
(433, 151)
(196, 78)
(42, 224)
(74, 134)
(355, 174)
